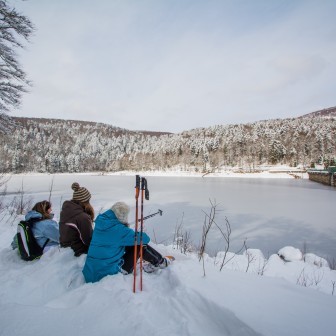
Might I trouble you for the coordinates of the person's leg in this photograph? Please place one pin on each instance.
(151, 255)
(129, 258)
(148, 253)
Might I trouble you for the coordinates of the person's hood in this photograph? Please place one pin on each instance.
(71, 209)
(32, 214)
(106, 220)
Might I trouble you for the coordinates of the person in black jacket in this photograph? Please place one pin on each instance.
(76, 221)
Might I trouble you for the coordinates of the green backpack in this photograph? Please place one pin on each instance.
(28, 247)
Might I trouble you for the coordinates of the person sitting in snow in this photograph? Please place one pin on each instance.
(112, 246)
(76, 221)
(45, 229)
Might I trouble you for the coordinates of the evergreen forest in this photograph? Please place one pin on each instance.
(58, 146)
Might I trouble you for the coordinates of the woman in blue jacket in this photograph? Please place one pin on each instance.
(112, 246)
(45, 229)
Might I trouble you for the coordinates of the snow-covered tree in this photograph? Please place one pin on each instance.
(13, 81)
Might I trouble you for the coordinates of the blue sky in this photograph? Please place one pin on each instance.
(174, 65)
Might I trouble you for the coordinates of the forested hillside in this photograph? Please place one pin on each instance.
(43, 145)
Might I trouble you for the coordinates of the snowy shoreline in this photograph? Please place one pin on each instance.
(270, 174)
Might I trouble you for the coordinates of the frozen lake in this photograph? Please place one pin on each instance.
(269, 213)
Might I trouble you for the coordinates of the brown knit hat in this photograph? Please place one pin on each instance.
(80, 193)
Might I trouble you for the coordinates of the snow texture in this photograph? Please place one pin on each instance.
(50, 296)
(280, 296)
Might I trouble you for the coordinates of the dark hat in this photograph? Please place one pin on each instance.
(80, 193)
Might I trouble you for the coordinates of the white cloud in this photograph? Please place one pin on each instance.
(174, 66)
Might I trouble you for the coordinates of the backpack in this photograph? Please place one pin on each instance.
(28, 247)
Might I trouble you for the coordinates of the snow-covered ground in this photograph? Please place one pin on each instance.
(274, 297)
(263, 172)
(285, 294)
(279, 171)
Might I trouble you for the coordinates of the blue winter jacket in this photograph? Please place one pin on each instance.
(44, 229)
(107, 247)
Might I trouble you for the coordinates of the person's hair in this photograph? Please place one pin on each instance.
(87, 207)
(42, 208)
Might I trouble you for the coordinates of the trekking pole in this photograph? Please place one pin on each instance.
(144, 192)
(137, 188)
(159, 212)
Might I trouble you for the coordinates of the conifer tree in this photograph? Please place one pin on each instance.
(14, 28)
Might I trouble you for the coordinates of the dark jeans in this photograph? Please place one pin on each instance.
(148, 254)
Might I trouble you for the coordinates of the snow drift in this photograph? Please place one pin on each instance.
(49, 296)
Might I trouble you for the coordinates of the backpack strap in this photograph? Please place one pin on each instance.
(32, 221)
(45, 244)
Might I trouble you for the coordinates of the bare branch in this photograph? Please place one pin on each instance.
(13, 81)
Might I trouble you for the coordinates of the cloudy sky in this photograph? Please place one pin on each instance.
(174, 65)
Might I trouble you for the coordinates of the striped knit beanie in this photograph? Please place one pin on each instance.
(80, 193)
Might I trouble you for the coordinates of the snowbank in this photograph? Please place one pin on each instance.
(250, 296)
(290, 253)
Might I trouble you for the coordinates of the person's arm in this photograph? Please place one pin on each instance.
(127, 237)
(51, 231)
(14, 243)
(85, 228)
